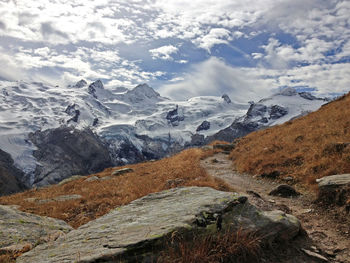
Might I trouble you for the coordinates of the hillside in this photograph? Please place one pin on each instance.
(306, 148)
(86, 198)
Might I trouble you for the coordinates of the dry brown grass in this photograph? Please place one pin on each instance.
(10, 256)
(230, 246)
(7, 258)
(306, 148)
(99, 197)
(218, 142)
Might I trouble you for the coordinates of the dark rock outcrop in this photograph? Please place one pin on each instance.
(226, 98)
(236, 130)
(277, 112)
(224, 147)
(173, 116)
(196, 140)
(63, 152)
(271, 175)
(9, 175)
(255, 110)
(308, 96)
(284, 190)
(95, 122)
(205, 125)
(72, 111)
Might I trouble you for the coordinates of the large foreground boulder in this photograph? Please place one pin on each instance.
(18, 227)
(138, 231)
(334, 189)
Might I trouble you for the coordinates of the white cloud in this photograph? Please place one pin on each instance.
(164, 52)
(278, 55)
(104, 38)
(182, 61)
(257, 55)
(214, 78)
(345, 52)
(214, 37)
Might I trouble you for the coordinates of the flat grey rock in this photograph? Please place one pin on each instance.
(70, 179)
(19, 227)
(122, 171)
(60, 198)
(334, 180)
(92, 179)
(128, 232)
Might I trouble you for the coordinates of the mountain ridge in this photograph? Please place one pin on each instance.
(134, 124)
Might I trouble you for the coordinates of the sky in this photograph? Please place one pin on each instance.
(245, 48)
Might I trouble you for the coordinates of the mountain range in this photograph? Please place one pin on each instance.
(52, 132)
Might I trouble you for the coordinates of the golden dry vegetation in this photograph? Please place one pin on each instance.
(99, 197)
(229, 246)
(306, 148)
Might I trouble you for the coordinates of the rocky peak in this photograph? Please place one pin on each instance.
(95, 86)
(80, 84)
(143, 90)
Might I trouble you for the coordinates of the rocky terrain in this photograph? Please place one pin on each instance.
(66, 151)
(127, 125)
(138, 231)
(326, 226)
(287, 227)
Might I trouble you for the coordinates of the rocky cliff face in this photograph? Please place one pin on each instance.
(64, 151)
(9, 175)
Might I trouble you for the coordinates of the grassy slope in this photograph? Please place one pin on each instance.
(306, 148)
(99, 197)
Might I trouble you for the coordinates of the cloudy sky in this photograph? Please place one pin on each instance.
(246, 48)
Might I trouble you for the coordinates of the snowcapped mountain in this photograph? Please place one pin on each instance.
(277, 109)
(41, 125)
(134, 124)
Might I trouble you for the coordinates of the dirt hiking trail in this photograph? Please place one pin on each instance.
(328, 232)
